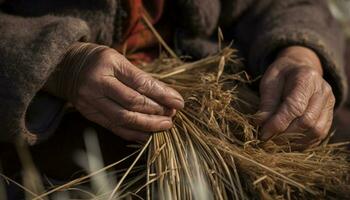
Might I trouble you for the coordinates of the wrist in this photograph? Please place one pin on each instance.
(302, 56)
(65, 81)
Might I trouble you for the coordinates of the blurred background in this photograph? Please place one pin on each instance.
(341, 10)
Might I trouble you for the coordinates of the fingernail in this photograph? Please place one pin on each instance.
(179, 103)
(175, 94)
(170, 112)
(166, 124)
(178, 98)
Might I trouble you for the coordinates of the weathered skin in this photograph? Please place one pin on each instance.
(264, 32)
(295, 98)
(122, 98)
(109, 90)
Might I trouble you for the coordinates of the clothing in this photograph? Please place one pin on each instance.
(342, 117)
(34, 34)
(137, 39)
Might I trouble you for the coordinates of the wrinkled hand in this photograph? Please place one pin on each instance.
(124, 99)
(295, 98)
(113, 93)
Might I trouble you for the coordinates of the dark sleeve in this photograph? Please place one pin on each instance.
(30, 49)
(262, 28)
(99, 15)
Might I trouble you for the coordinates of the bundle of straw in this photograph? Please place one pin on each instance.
(213, 152)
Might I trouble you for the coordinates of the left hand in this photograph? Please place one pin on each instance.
(295, 98)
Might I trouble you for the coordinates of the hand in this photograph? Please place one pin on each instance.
(295, 98)
(117, 95)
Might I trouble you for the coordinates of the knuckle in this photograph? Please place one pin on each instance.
(332, 100)
(146, 86)
(295, 106)
(146, 83)
(319, 133)
(306, 73)
(306, 78)
(126, 118)
(134, 101)
(311, 73)
(331, 104)
(123, 63)
(327, 88)
(307, 121)
(122, 68)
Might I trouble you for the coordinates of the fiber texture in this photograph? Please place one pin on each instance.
(34, 34)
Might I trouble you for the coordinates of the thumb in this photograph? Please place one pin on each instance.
(271, 89)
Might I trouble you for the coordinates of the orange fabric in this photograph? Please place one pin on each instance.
(138, 41)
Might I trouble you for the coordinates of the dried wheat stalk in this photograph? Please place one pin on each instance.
(213, 151)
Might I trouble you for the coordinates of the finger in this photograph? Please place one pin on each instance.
(292, 107)
(312, 113)
(134, 120)
(321, 128)
(126, 134)
(148, 86)
(132, 100)
(271, 87)
(313, 137)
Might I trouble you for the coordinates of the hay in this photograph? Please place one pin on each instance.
(213, 151)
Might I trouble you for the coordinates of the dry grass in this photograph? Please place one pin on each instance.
(214, 147)
(340, 10)
(213, 152)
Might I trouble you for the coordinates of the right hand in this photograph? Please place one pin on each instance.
(115, 94)
(295, 98)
